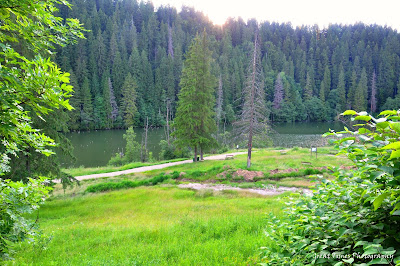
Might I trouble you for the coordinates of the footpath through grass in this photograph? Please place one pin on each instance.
(108, 169)
(285, 167)
(152, 225)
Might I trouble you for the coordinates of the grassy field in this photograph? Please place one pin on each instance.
(164, 225)
(152, 226)
(265, 160)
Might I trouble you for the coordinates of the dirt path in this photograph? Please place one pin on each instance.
(152, 167)
(267, 191)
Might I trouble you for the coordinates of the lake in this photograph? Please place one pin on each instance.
(95, 148)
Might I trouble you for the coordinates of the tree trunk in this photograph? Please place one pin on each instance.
(195, 154)
(249, 148)
(201, 153)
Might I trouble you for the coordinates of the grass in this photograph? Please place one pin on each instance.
(264, 160)
(152, 225)
(79, 171)
(164, 225)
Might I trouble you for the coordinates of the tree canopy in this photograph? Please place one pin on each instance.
(31, 84)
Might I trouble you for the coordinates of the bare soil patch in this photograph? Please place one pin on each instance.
(268, 191)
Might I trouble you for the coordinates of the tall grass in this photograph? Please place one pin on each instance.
(144, 226)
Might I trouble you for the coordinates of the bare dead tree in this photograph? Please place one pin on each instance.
(278, 94)
(253, 118)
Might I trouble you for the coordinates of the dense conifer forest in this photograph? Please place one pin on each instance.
(134, 53)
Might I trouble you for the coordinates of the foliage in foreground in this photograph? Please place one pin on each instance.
(16, 200)
(355, 218)
(30, 86)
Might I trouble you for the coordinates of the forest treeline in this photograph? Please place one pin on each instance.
(129, 66)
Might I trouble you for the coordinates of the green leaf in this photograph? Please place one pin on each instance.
(392, 146)
(394, 117)
(388, 112)
(363, 118)
(378, 200)
(394, 154)
(349, 112)
(395, 126)
(363, 131)
(370, 251)
(360, 243)
(382, 125)
(396, 212)
(379, 261)
(349, 260)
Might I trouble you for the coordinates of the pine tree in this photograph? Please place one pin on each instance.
(360, 95)
(373, 93)
(87, 107)
(322, 92)
(76, 103)
(114, 107)
(194, 121)
(129, 100)
(325, 84)
(341, 89)
(352, 90)
(308, 90)
(220, 99)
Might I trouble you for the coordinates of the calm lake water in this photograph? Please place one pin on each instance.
(95, 148)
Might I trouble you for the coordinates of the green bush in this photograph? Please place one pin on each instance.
(353, 219)
(16, 201)
(169, 151)
(117, 160)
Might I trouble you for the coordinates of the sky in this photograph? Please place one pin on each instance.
(298, 12)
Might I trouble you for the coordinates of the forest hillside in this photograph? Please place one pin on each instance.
(310, 74)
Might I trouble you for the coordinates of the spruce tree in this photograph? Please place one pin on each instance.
(129, 100)
(341, 89)
(87, 107)
(308, 90)
(194, 122)
(360, 95)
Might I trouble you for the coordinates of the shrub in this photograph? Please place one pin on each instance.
(169, 151)
(16, 201)
(354, 218)
(117, 160)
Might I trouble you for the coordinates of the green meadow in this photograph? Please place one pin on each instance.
(165, 225)
(151, 226)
